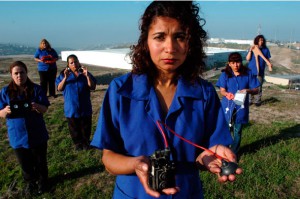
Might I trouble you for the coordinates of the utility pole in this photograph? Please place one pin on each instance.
(259, 30)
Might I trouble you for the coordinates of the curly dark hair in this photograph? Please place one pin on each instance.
(256, 40)
(235, 57)
(187, 13)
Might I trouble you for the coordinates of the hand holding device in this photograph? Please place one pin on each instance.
(228, 168)
(67, 72)
(48, 59)
(19, 108)
(80, 70)
(161, 171)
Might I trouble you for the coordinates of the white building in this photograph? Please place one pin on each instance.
(229, 41)
(238, 41)
(217, 56)
(235, 41)
(118, 58)
(292, 81)
(112, 58)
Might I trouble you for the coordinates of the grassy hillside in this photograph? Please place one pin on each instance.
(270, 153)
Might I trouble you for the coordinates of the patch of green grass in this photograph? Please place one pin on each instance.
(270, 157)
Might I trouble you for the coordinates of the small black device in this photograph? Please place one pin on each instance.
(161, 171)
(19, 108)
(80, 70)
(228, 168)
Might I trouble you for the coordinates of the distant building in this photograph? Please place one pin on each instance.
(291, 81)
(215, 41)
(217, 57)
(235, 41)
(118, 58)
(229, 41)
(111, 58)
(238, 41)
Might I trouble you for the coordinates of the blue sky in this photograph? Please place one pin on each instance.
(80, 24)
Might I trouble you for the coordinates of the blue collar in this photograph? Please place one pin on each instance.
(138, 87)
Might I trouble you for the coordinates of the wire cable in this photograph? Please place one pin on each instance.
(188, 141)
(162, 133)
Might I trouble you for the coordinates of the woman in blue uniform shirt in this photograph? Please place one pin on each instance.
(236, 78)
(164, 85)
(27, 131)
(257, 67)
(46, 56)
(76, 84)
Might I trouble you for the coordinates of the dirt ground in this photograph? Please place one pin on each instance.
(286, 58)
(279, 104)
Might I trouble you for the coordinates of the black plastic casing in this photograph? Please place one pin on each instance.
(161, 171)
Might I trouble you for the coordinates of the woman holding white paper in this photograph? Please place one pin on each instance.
(235, 83)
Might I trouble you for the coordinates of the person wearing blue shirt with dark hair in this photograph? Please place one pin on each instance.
(76, 84)
(46, 56)
(236, 82)
(22, 104)
(145, 112)
(258, 56)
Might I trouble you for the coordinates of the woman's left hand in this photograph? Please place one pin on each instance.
(213, 164)
(38, 107)
(35, 106)
(84, 70)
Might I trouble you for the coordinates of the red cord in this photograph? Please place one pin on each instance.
(163, 134)
(188, 141)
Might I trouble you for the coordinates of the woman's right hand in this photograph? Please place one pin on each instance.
(229, 96)
(252, 48)
(4, 112)
(141, 169)
(67, 72)
(139, 165)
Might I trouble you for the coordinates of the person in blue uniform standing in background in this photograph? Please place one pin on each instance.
(236, 78)
(27, 131)
(76, 84)
(257, 64)
(46, 56)
(161, 96)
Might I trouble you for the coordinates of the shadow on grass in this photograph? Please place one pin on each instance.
(14, 192)
(58, 179)
(271, 100)
(285, 134)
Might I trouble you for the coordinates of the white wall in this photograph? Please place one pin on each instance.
(105, 58)
(117, 58)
